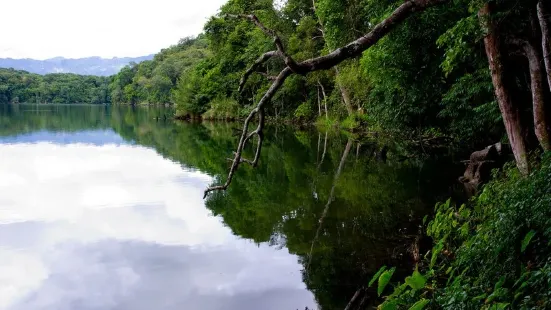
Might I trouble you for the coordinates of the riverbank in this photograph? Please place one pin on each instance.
(490, 253)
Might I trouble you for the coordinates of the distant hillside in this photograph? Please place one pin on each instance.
(85, 66)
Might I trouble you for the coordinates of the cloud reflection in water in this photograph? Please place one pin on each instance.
(116, 226)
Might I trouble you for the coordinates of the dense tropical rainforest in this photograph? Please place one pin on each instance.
(427, 68)
(473, 71)
(429, 76)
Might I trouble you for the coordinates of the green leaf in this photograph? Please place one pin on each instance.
(464, 231)
(384, 279)
(388, 305)
(527, 240)
(376, 276)
(499, 306)
(397, 291)
(435, 251)
(420, 305)
(499, 283)
(416, 281)
(479, 297)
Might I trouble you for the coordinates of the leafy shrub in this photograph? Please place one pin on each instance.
(222, 109)
(324, 123)
(304, 112)
(492, 253)
(350, 123)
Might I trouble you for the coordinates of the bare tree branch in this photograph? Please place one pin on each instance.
(289, 61)
(267, 76)
(351, 50)
(262, 59)
(245, 135)
(324, 99)
(356, 295)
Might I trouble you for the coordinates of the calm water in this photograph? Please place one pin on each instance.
(101, 208)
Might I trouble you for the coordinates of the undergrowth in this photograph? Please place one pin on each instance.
(222, 109)
(491, 253)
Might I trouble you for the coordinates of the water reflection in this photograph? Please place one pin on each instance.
(88, 221)
(102, 209)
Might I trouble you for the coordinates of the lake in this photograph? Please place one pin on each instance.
(102, 208)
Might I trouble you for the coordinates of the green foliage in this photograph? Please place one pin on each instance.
(527, 239)
(304, 112)
(154, 81)
(420, 305)
(23, 87)
(492, 253)
(384, 279)
(326, 123)
(460, 42)
(416, 281)
(376, 275)
(428, 75)
(222, 109)
(470, 108)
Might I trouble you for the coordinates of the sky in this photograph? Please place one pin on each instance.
(42, 29)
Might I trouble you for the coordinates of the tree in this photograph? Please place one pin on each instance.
(521, 34)
(351, 50)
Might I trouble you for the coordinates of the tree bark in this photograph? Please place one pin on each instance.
(319, 102)
(509, 111)
(538, 85)
(543, 17)
(344, 93)
(324, 150)
(324, 99)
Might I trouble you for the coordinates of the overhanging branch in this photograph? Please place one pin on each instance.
(246, 136)
(262, 59)
(351, 50)
(289, 61)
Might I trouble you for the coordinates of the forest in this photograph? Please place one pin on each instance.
(428, 76)
(468, 72)
(475, 71)
(24, 87)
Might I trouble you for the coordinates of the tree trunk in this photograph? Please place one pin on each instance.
(324, 99)
(344, 92)
(543, 17)
(319, 103)
(324, 150)
(509, 111)
(330, 199)
(538, 85)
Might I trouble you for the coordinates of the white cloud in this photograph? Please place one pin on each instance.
(118, 226)
(48, 28)
(19, 274)
(82, 184)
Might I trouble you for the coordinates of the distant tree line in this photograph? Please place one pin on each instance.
(149, 82)
(24, 87)
(155, 81)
